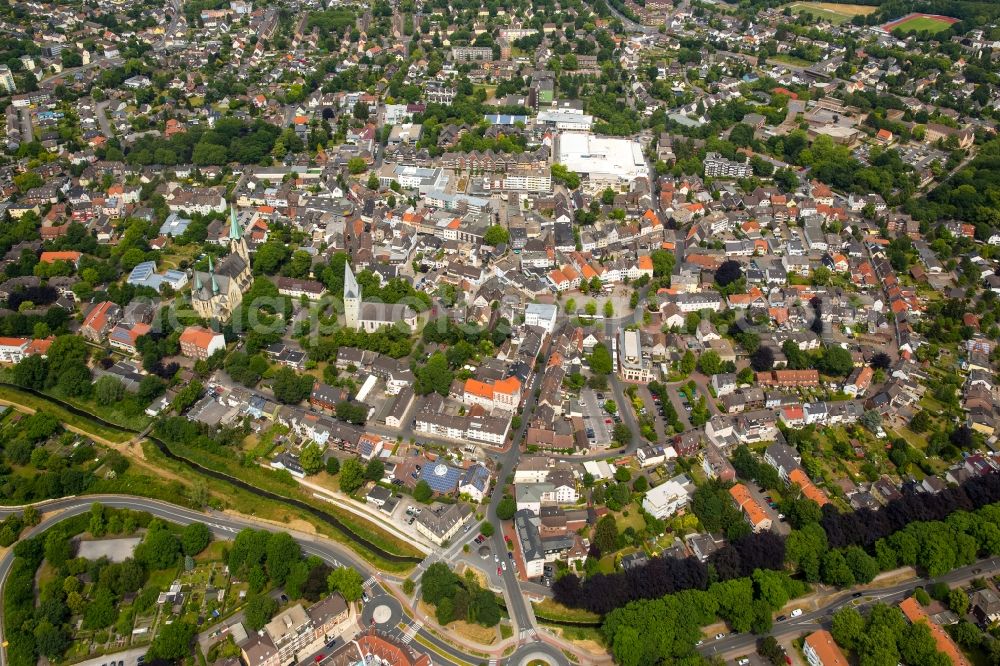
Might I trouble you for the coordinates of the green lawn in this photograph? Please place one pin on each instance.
(923, 24)
(89, 426)
(791, 60)
(818, 12)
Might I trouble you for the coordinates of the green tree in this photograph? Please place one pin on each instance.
(848, 627)
(621, 434)
(172, 642)
(311, 458)
(101, 612)
(438, 582)
(600, 360)
(506, 508)
(495, 235)
(958, 602)
(835, 570)
(332, 465)
(159, 549)
(709, 363)
(606, 534)
(281, 552)
(434, 376)
(486, 528)
(291, 388)
(347, 581)
(483, 609)
(195, 538)
(258, 610)
(374, 470)
(422, 492)
(836, 361)
(352, 475)
(31, 372)
(51, 640)
(108, 390)
(444, 613)
(688, 362)
(58, 549)
(357, 165)
(663, 263)
(270, 256)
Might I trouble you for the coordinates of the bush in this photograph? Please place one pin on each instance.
(422, 492)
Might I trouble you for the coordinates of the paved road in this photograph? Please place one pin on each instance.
(178, 15)
(102, 118)
(518, 606)
(226, 526)
(736, 644)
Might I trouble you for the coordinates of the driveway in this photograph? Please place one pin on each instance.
(594, 416)
(653, 409)
(682, 414)
(777, 525)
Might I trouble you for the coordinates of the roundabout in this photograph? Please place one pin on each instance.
(383, 611)
(538, 653)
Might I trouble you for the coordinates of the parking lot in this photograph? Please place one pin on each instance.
(595, 418)
(778, 525)
(653, 409)
(681, 406)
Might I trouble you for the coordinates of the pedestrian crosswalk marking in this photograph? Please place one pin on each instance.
(412, 630)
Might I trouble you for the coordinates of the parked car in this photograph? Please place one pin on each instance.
(797, 612)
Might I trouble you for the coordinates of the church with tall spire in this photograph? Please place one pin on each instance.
(219, 291)
(369, 316)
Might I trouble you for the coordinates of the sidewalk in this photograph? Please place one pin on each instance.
(367, 513)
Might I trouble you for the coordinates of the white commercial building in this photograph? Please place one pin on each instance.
(565, 120)
(604, 161)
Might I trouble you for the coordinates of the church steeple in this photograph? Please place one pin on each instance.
(237, 244)
(352, 298)
(235, 232)
(211, 273)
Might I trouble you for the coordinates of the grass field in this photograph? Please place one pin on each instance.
(923, 24)
(920, 23)
(31, 401)
(834, 12)
(549, 609)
